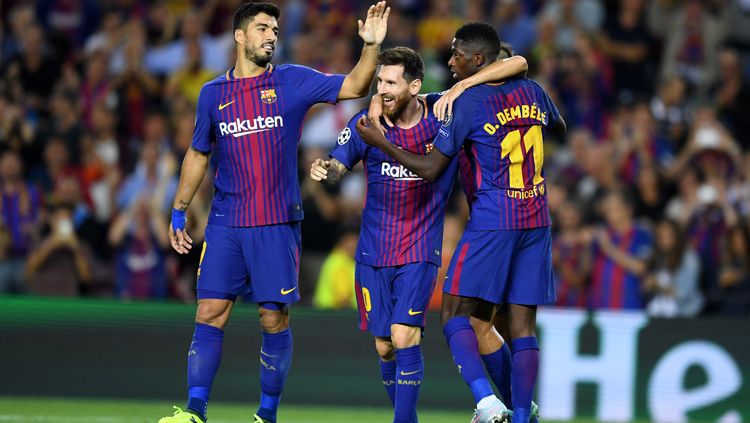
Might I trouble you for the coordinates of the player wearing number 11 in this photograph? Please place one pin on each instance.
(505, 254)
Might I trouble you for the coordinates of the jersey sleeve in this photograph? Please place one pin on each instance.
(451, 135)
(432, 98)
(549, 106)
(203, 136)
(315, 86)
(349, 148)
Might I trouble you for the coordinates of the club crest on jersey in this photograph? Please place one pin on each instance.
(344, 136)
(268, 96)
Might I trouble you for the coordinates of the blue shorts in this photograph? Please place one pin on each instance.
(260, 263)
(503, 267)
(393, 295)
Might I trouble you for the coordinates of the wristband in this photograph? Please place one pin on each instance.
(178, 219)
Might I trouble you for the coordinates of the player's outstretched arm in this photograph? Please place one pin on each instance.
(194, 167)
(372, 31)
(495, 72)
(327, 171)
(428, 166)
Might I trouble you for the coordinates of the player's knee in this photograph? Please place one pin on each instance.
(481, 328)
(213, 312)
(405, 336)
(273, 321)
(385, 349)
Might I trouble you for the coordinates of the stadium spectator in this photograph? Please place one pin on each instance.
(515, 26)
(731, 95)
(571, 258)
(621, 251)
(669, 109)
(61, 263)
(34, 68)
(153, 178)
(189, 79)
(20, 206)
(335, 285)
(691, 43)
(732, 295)
(139, 235)
(673, 278)
(626, 42)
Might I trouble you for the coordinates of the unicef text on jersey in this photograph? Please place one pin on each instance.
(241, 127)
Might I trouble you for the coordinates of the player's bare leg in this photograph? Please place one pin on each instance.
(409, 371)
(455, 314)
(275, 358)
(525, 359)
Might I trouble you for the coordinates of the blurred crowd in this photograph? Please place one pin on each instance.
(649, 191)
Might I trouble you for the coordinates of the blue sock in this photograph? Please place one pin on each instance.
(525, 369)
(204, 357)
(499, 367)
(409, 374)
(388, 372)
(275, 359)
(463, 344)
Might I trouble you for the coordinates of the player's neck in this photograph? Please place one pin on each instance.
(248, 69)
(411, 115)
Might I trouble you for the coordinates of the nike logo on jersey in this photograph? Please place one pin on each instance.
(403, 373)
(287, 291)
(414, 313)
(224, 106)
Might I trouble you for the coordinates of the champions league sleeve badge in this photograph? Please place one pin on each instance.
(344, 136)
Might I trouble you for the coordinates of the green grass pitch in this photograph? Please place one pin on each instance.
(45, 410)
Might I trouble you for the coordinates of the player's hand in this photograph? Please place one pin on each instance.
(180, 240)
(373, 29)
(375, 112)
(369, 133)
(444, 106)
(319, 170)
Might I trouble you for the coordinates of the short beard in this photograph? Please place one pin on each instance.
(259, 59)
(398, 109)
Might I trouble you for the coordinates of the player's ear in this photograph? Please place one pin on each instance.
(239, 36)
(479, 59)
(415, 86)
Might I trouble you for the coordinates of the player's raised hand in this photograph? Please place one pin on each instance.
(369, 133)
(375, 112)
(178, 236)
(373, 29)
(319, 170)
(444, 106)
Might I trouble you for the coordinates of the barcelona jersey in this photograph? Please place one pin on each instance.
(402, 220)
(500, 129)
(251, 127)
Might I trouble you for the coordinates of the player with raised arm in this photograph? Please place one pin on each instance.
(505, 253)
(248, 120)
(401, 235)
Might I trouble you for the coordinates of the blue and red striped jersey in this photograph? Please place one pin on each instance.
(252, 127)
(500, 128)
(612, 286)
(402, 220)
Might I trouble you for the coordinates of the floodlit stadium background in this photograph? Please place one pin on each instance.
(97, 110)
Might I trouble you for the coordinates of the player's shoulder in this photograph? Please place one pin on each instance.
(293, 69)
(216, 82)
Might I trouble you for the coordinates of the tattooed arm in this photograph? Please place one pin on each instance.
(327, 171)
